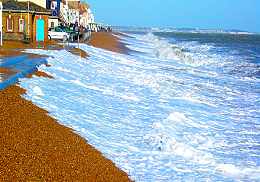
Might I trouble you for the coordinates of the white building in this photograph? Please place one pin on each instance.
(86, 16)
(53, 21)
(91, 18)
(69, 11)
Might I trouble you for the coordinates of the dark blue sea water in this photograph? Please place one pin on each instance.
(216, 93)
(181, 106)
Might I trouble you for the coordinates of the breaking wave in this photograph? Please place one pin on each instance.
(171, 110)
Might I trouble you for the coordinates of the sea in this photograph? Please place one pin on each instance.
(180, 105)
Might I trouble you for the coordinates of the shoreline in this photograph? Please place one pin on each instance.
(108, 41)
(36, 147)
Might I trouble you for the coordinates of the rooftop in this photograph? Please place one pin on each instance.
(12, 5)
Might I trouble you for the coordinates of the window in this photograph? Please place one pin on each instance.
(21, 25)
(53, 5)
(9, 23)
(52, 24)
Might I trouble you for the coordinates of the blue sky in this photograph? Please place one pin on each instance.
(213, 14)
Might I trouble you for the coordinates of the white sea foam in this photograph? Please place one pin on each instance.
(139, 49)
(157, 119)
(163, 49)
(164, 141)
(181, 30)
(239, 173)
(177, 116)
(37, 91)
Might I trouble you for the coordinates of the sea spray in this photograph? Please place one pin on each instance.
(161, 118)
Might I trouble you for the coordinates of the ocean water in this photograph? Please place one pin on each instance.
(181, 106)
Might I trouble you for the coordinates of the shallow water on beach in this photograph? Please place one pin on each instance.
(180, 107)
(13, 68)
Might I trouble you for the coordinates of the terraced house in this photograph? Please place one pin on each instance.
(25, 20)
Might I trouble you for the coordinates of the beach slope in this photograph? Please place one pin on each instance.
(108, 41)
(34, 147)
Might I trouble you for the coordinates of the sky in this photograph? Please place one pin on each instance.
(207, 14)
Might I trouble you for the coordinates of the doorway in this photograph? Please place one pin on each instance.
(39, 30)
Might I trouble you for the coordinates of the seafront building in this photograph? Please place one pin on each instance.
(24, 21)
(75, 12)
(41, 3)
(54, 6)
(29, 20)
(86, 16)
